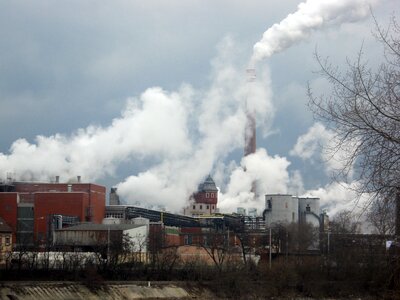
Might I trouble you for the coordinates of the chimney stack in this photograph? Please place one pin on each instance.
(78, 178)
(57, 179)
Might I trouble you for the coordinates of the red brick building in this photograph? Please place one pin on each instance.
(205, 200)
(30, 207)
(8, 211)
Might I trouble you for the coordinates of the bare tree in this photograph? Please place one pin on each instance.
(381, 215)
(344, 222)
(363, 110)
(216, 244)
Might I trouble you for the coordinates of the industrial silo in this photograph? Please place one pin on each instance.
(281, 209)
(309, 210)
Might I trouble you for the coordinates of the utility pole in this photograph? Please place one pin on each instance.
(108, 244)
(270, 248)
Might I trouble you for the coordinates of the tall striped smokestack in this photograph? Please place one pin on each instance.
(250, 130)
(250, 134)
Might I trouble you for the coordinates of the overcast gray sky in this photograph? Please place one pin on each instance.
(69, 68)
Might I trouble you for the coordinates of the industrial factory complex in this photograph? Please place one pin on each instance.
(74, 216)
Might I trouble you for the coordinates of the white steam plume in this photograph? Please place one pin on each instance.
(183, 133)
(310, 15)
(95, 151)
(185, 139)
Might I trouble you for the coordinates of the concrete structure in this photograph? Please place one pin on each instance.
(309, 211)
(288, 209)
(114, 197)
(204, 201)
(281, 209)
(95, 236)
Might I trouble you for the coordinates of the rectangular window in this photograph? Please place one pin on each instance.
(201, 206)
(207, 195)
(7, 241)
(208, 206)
(194, 206)
(188, 240)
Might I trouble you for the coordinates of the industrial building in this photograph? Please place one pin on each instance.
(285, 209)
(34, 209)
(204, 201)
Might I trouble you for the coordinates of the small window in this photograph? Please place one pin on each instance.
(194, 206)
(201, 206)
(208, 206)
(188, 240)
(207, 195)
(308, 209)
(293, 216)
(7, 241)
(212, 195)
(213, 207)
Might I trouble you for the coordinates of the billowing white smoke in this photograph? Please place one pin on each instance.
(310, 15)
(184, 133)
(219, 121)
(184, 138)
(318, 143)
(96, 151)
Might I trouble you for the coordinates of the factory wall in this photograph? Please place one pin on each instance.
(67, 203)
(9, 210)
(27, 209)
(97, 198)
(281, 209)
(309, 210)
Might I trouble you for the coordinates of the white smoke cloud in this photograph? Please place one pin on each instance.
(183, 133)
(220, 122)
(95, 151)
(310, 15)
(188, 132)
(271, 175)
(319, 144)
(339, 196)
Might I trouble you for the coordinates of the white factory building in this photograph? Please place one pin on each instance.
(280, 208)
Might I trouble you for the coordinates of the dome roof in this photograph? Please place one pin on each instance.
(208, 185)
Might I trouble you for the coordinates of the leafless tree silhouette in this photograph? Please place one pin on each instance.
(363, 110)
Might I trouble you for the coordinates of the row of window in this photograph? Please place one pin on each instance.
(115, 215)
(210, 195)
(207, 206)
(188, 240)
